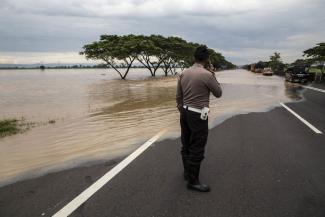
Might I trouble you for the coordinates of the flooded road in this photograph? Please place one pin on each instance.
(99, 117)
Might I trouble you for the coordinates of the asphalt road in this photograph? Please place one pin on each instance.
(259, 164)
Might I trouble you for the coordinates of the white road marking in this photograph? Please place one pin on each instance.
(301, 119)
(86, 194)
(314, 88)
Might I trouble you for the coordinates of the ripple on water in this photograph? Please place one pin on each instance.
(104, 119)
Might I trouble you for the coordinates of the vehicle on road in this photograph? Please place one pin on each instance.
(296, 74)
(267, 72)
(257, 67)
(253, 67)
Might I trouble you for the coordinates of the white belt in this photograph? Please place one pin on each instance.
(192, 109)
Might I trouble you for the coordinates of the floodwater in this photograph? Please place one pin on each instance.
(99, 117)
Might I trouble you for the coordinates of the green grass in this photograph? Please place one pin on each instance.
(9, 127)
(12, 126)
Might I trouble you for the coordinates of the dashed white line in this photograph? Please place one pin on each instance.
(86, 194)
(314, 88)
(301, 119)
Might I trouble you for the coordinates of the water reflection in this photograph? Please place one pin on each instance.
(293, 91)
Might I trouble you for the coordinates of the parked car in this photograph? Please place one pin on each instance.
(267, 72)
(297, 74)
(258, 70)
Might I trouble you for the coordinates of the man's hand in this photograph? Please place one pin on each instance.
(210, 68)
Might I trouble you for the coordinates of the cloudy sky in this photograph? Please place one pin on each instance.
(53, 31)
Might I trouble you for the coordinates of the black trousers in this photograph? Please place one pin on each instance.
(194, 135)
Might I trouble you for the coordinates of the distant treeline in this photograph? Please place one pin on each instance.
(79, 66)
(54, 67)
(313, 58)
(152, 52)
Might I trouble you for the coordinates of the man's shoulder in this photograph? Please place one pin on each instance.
(204, 73)
(199, 70)
(196, 73)
(186, 70)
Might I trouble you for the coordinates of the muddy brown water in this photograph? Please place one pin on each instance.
(99, 117)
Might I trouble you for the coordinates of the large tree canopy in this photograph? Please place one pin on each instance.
(152, 52)
(112, 48)
(317, 55)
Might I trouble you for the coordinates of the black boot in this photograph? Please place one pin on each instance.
(186, 168)
(193, 182)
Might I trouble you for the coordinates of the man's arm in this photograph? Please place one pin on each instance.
(214, 86)
(179, 94)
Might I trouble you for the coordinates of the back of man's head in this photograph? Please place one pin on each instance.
(201, 54)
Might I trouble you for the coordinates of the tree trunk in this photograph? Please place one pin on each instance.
(147, 65)
(128, 69)
(157, 67)
(108, 63)
(166, 69)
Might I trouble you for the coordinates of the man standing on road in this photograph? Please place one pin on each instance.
(193, 91)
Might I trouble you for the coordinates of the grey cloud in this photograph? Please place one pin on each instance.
(59, 26)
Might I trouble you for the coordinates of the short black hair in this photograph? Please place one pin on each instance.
(201, 53)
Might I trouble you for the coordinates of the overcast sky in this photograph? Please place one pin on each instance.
(53, 31)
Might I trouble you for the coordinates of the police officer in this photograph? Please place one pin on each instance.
(193, 91)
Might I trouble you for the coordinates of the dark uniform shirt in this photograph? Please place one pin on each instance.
(194, 87)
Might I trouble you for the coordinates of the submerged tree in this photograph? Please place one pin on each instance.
(148, 52)
(176, 53)
(152, 52)
(113, 48)
(217, 60)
